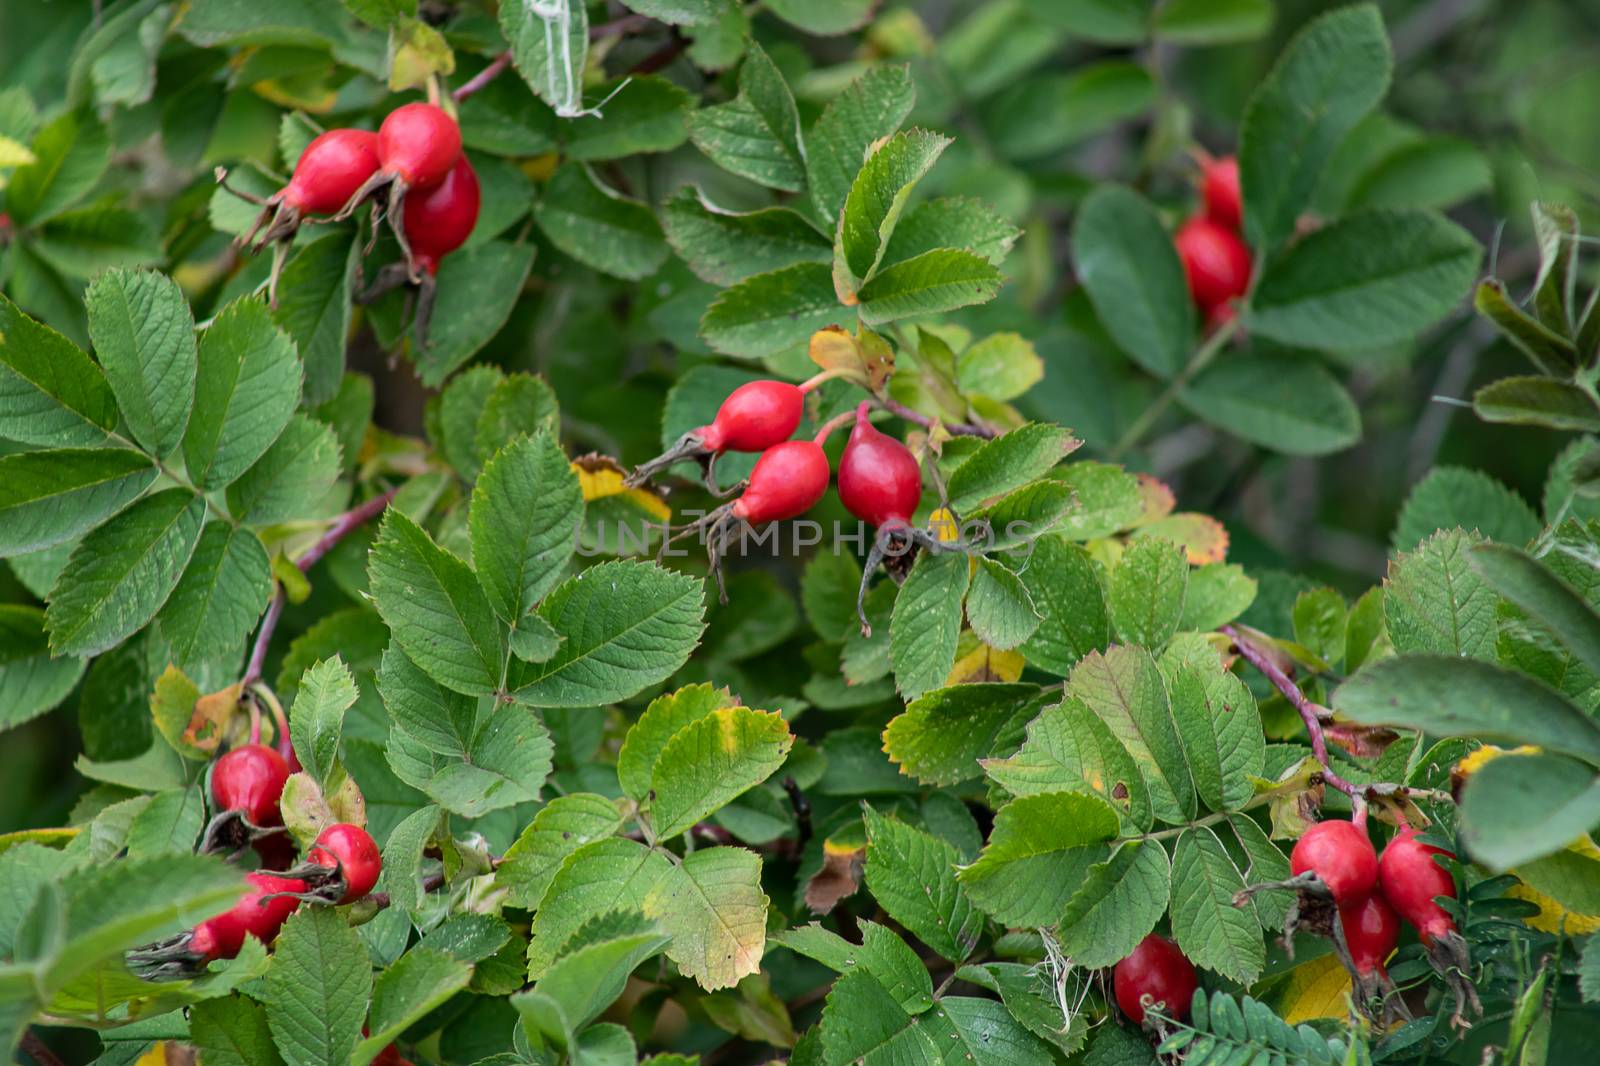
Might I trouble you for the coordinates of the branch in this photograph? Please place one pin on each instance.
(1309, 712)
(36, 1050)
(614, 28)
(959, 429)
(342, 527)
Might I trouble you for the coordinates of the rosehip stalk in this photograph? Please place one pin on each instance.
(1155, 975)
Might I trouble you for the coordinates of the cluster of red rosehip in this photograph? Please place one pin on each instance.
(1334, 862)
(1215, 259)
(412, 171)
(880, 481)
(341, 866)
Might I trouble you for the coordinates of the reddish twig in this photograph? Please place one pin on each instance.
(959, 429)
(36, 1050)
(341, 528)
(1309, 712)
(497, 66)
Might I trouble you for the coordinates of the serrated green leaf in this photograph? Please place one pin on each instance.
(527, 507)
(419, 981)
(314, 308)
(1544, 596)
(1210, 930)
(943, 733)
(1125, 689)
(598, 227)
(31, 680)
(627, 626)
(724, 247)
(643, 114)
(767, 313)
(877, 196)
(1537, 401)
(1286, 403)
(433, 604)
(1039, 850)
(293, 479)
(1217, 719)
(232, 1032)
(1069, 749)
(756, 135)
(478, 287)
(1008, 462)
(1147, 592)
(224, 589)
(520, 404)
(711, 761)
(51, 392)
(584, 982)
(881, 953)
(1329, 76)
(49, 497)
(1434, 601)
(999, 608)
(713, 907)
(1118, 903)
(316, 991)
(926, 623)
(870, 108)
(601, 877)
(1065, 585)
(932, 283)
(1217, 594)
(912, 876)
(247, 386)
(169, 825)
(144, 338)
(439, 719)
(1266, 863)
(564, 825)
(71, 155)
(119, 575)
(316, 720)
(666, 716)
(1452, 496)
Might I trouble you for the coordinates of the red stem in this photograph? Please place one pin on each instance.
(341, 528)
(835, 422)
(1308, 713)
(483, 77)
(959, 429)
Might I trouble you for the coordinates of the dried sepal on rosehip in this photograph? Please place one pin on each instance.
(755, 416)
(260, 912)
(246, 785)
(1367, 933)
(418, 146)
(342, 865)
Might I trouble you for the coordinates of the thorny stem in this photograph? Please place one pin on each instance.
(341, 528)
(958, 429)
(1308, 715)
(1199, 361)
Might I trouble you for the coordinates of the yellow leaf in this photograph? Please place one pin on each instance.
(599, 476)
(15, 154)
(1158, 500)
(420, 52)
(156, 1056)
(942, 524)
(984, 663)
(1316, 989)
(47, 837)
(1202, 538)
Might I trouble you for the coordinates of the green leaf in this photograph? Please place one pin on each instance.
(628, 625)
(168, 825)
(478, 287)
(1002, 366)
(521, 404)
(31, 680)
(666, 716)
(1039, 851)
(418, 982)
(1364, 281)
(1436, 172)
(645, 113)
(51, 392)
(232, 1032)
(1452, 496)
(1217, 719)
(1065, 585)
(50, 497)
(1117, 904)
(876, 199)
(119, 575)
(823, 17)
(433, 604)
(767, 313)
(223, 591)
(549, 48)
(1124, 689)
(926, 623)
(881, 954)
(713, 906)
(1266, 863)
(828, 593)
(440, 720)
(932, 283)
(585, 982)
(943, 734)
(1449, 696)
(1069, 749)
(314, 309)
(870, 108)
(1435, 602)
(293, 479)
(1147, 592)
(1103, 21)
(1129, 268)
(1545, 597)
(1008, 462)
(912, 876)
(1042, 115)
(999, 608)
(1519, 808)
(1217, 594)
(561, 827)
(1210, 930)
(725, 247)
(755, 135)
(316, 720)
(71, 155)
(607, 875)
(1287, 403)
(1550, 351)
(598, 227)
(144, 337)
(1329, 76)
(953, 222)
(711, 761)
(247, 386)
(460, 413)
(1536, 401)
(506, 762)
(1208, 22)
(316, 991)
(862, 1023)
(678, 12)
(527, 508)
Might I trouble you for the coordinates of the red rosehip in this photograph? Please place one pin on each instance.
(439, 221)
(418, 144)
(880, 481)
(1340, 854)
(350, 851)
(755, 416)
(255, 914)
(787, 480)
(1215, 261)
(1219, 188)
(1159, 971)
(1411, 879)
(1371, 929)
(330, 170)
(249, 779)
